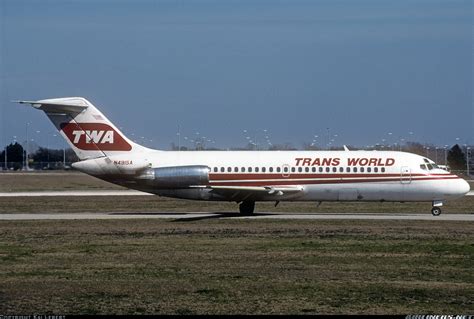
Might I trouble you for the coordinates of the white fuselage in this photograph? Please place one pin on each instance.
(320, 175)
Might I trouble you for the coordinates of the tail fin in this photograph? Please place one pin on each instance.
(89, 133)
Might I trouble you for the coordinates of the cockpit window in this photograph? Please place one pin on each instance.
(428, 165)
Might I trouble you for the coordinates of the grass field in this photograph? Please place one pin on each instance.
(223, 266)
(236, 267)
(51, 181)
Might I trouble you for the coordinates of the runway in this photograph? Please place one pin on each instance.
(126, 192)
(200, 216)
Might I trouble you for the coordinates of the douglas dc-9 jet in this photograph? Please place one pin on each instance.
(246, 177)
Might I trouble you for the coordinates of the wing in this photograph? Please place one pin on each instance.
(239, 193)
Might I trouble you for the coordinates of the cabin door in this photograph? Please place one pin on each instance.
(405, 175)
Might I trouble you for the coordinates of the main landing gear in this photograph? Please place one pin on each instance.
(247, 207)
(436, 210)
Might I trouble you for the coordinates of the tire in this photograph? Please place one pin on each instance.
(247, 208)
(436, 211)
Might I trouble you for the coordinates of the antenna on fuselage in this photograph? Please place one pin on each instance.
(345, 148)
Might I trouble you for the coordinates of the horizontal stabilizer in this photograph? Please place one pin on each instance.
(69, 105)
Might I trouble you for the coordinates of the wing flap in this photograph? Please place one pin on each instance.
(235, 191)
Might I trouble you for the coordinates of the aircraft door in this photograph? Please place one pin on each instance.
(405, 175)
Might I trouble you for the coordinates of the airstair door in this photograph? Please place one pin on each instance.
(405, 175)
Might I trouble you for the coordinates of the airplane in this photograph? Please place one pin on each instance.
(246, 177)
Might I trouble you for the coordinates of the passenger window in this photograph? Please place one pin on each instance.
(341, 169)
(300, 169)
(306, 169)
(348, 169)
(285, 169)
(256, 169)
(215, 169)
(382, 169)
(222, 169)
(278, 169)
(229, 169)
(334, 169)
(242, 169)
(271, 169)
(320, 169)
(327, 169)
(369, 169)
(355, 169)
(250, 170)
(236, 169)
(263, 169)
(314, 169)
(293, 169)
(376, 169)
(362, 169)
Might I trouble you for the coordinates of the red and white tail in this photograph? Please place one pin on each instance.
(89, 133)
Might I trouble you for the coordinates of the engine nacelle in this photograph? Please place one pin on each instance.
(175, 177)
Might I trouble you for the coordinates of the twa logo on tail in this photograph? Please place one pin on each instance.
(93, 136)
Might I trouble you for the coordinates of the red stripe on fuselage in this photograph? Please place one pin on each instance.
(331, 180)
(237, 176)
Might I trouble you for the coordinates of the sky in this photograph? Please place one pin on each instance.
(356, 72)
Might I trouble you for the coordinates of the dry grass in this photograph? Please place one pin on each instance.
(236, 267)
(222, 266)
(51, 181)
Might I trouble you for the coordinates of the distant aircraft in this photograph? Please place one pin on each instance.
(246, 177)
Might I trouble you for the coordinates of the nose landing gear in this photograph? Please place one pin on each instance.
(436, 210)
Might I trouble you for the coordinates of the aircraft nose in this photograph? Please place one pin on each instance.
(463, 186)
(456, 188)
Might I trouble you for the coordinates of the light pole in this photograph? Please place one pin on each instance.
(197, 141)
(178, 134)
(402, 141)
(327, 131)
(251, 141)
(445, 155)
(468, 149)
(389, 140)
(314, 140)
(27, 146)
(6, 160)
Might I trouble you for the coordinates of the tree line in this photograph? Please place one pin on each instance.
(55, 158)
(40, 159)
